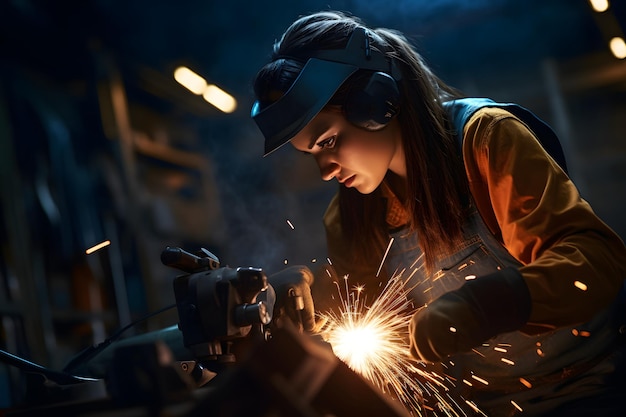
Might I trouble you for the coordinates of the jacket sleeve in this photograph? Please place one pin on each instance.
(573, 263)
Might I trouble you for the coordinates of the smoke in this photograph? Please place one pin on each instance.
(258, 196)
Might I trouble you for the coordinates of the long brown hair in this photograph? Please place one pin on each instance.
(437, 190)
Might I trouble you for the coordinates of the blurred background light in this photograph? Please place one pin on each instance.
(599, 5)
(618, 47)
(220, 98)
(190, 80)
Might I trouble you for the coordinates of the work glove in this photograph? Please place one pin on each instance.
(293, 297)
(462, 319)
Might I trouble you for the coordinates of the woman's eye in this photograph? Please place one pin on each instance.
(327, 143)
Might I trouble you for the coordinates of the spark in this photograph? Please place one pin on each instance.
(516, 405)
(384, 256)
(479, 379)
(290, 225)
(373, 342)
(526, 383)
(581, 333)
(478, 353)
(97, 247)
(474, 407)
(580, 285)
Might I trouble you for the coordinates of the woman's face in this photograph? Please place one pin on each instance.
(356, 157)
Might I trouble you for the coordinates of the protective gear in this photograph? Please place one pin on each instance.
(324, 72)
(462, 319)
(293, 297)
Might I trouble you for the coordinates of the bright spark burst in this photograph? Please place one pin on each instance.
(373, 341)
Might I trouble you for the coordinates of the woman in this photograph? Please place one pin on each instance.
(520, 283)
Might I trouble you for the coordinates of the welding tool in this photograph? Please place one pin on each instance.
(218, 305)
(294, 301)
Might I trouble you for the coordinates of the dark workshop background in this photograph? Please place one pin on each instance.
(99, 142)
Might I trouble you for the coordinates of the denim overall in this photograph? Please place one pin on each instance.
(538, 372)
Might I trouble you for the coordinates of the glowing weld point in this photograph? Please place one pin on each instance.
(370, 341)
(580, 285)
(516, 406)
(290, 225)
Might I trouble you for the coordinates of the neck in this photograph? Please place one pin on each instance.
(397, 184)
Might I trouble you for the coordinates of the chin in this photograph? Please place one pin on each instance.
(365, 189)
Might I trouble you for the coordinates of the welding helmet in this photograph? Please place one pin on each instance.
(370, 107)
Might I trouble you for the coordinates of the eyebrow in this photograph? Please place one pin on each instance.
(317, 133)
(312, 141)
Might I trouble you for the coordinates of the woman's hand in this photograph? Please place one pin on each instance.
(464, 318)
(293, 297)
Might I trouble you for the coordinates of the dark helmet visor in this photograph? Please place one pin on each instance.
(322, 75)
(311, 91)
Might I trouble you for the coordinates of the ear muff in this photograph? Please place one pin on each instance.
(374, 105)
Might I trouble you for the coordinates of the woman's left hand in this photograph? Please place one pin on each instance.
(464, 318)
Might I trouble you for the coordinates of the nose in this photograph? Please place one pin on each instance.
(328, 168)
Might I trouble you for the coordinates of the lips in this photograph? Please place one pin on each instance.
(348, 181)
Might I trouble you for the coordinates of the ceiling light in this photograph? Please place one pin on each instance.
(599, 5)
(220, 98)
(190, 80)
(618, 47)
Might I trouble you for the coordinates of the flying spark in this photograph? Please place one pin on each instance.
(373, 341)
(385, 256)
(97, 247)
